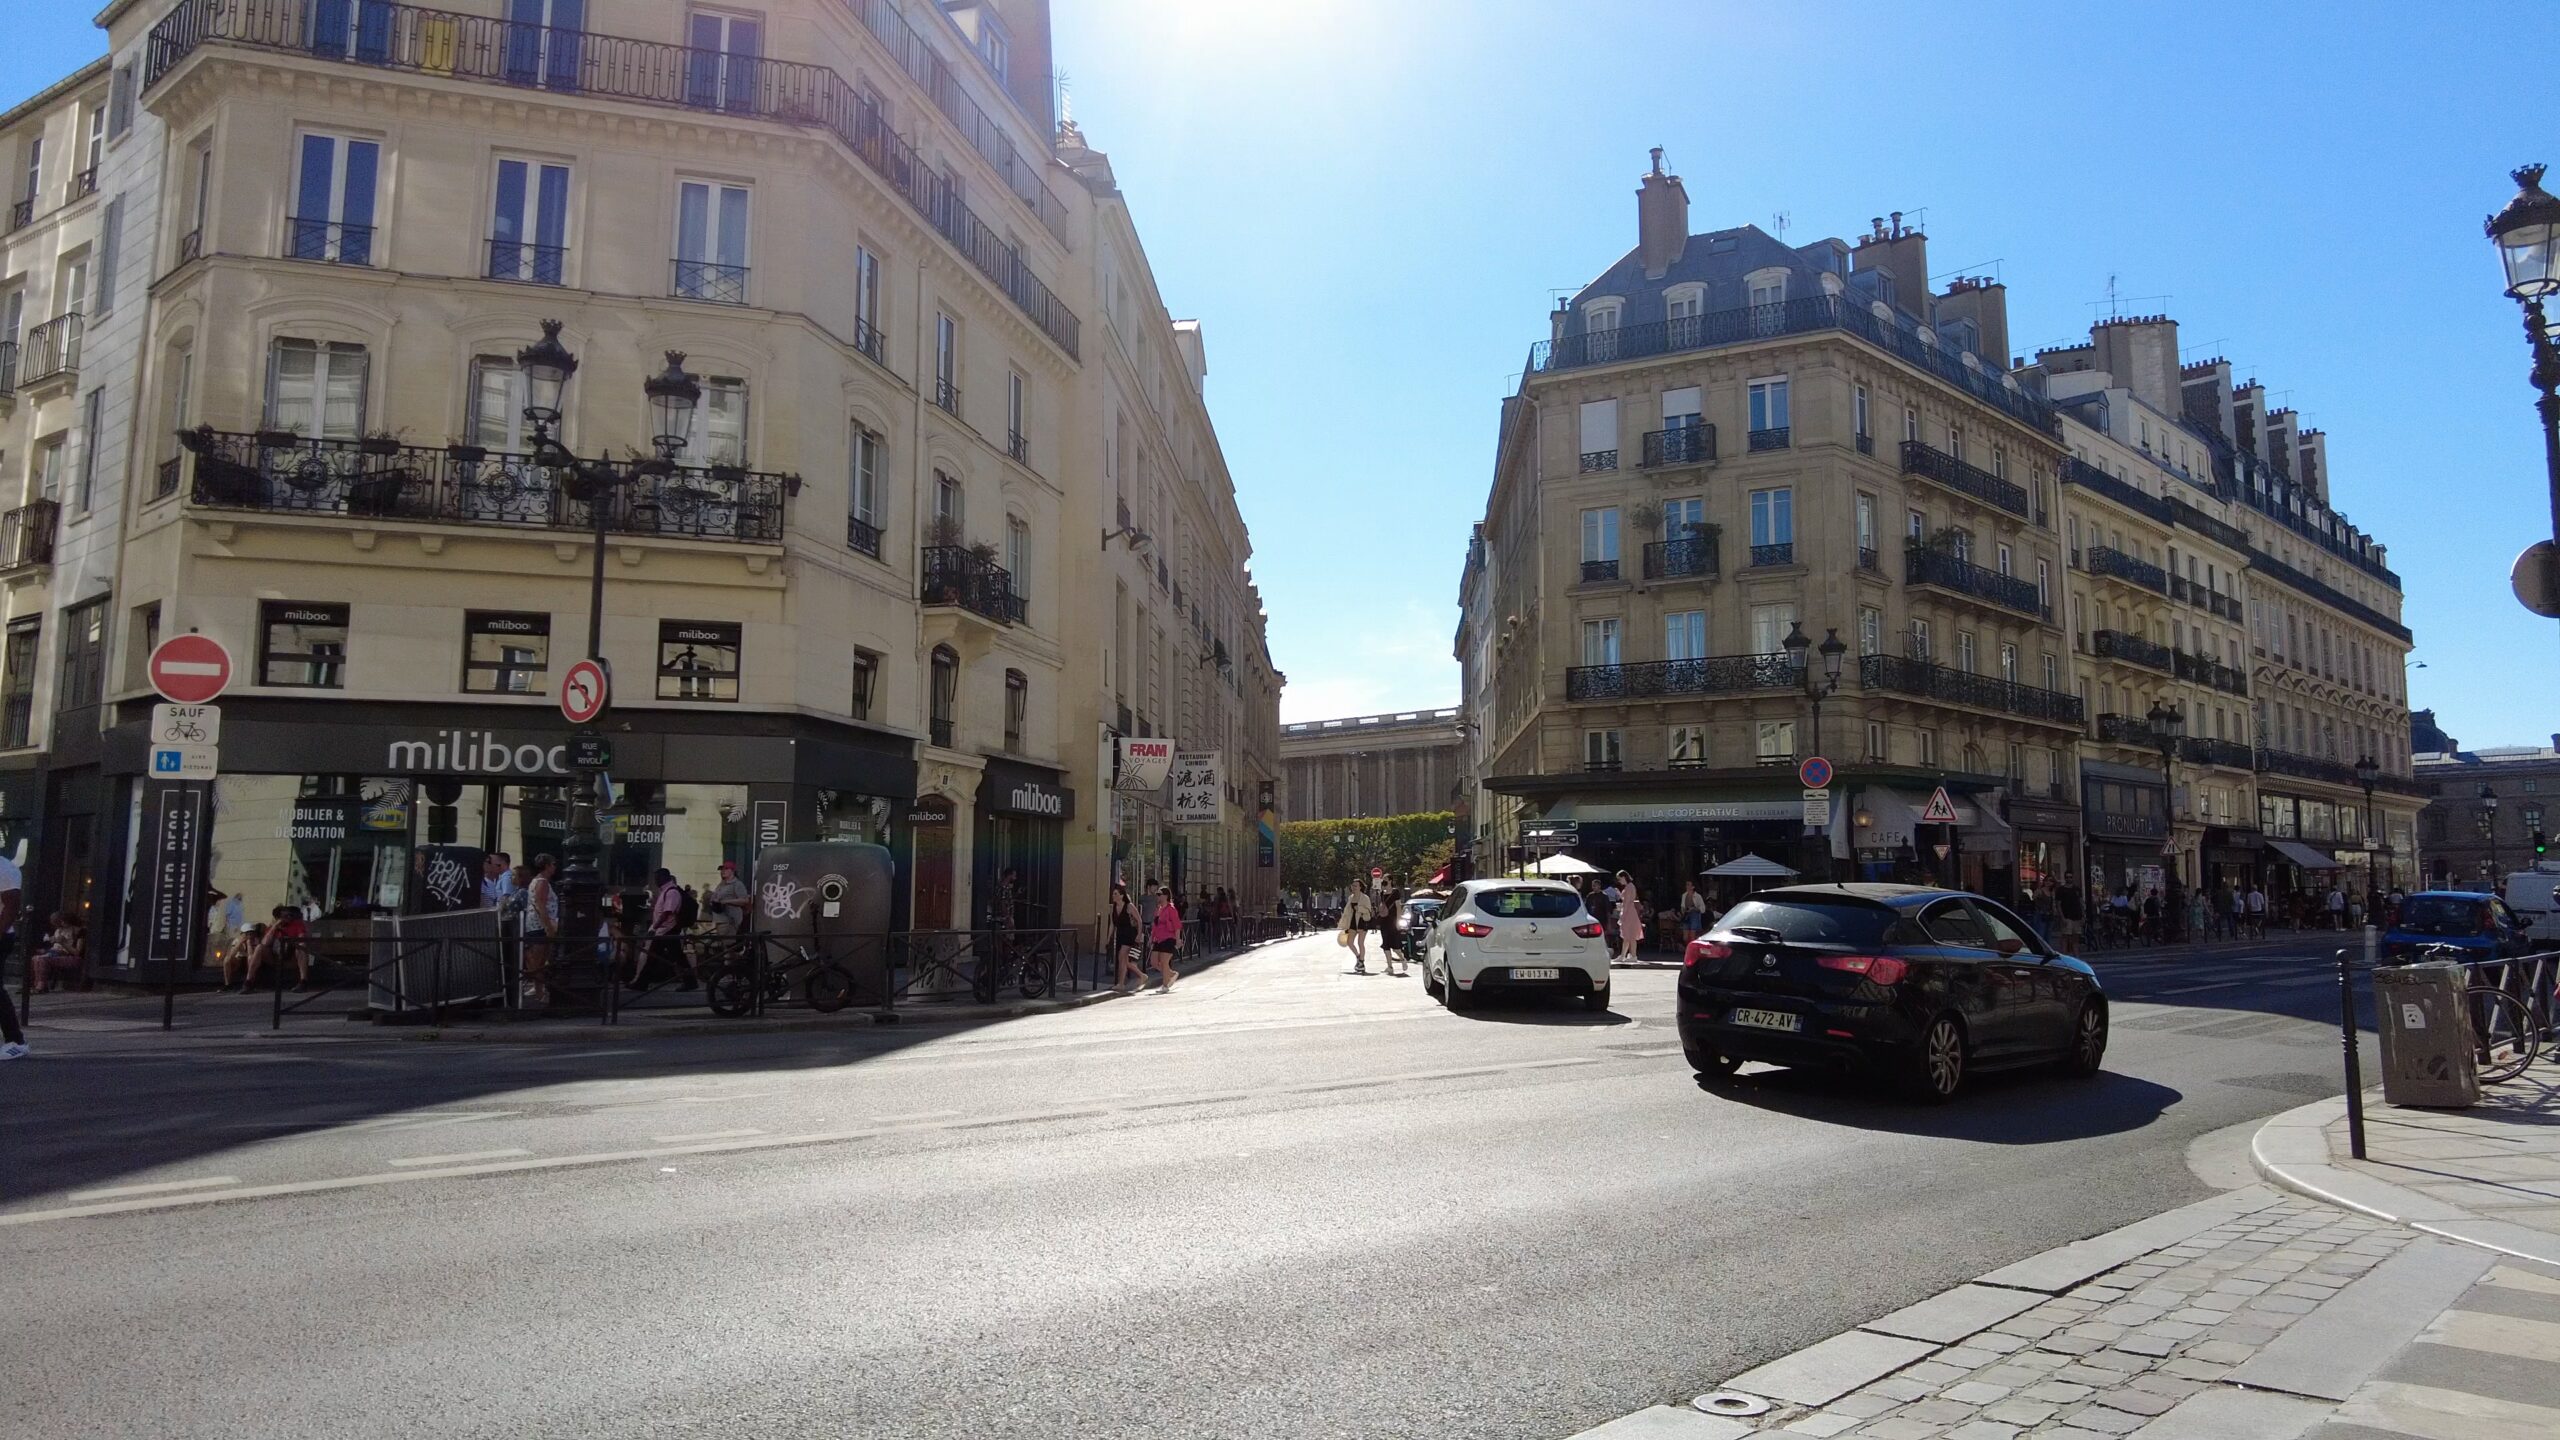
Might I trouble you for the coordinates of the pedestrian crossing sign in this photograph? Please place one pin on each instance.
(1940, 810)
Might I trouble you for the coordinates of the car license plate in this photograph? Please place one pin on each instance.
(1768, 1019)
(1533, 972)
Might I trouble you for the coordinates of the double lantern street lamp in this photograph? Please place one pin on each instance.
(2527, 234)
(1831, 650)
(2168, 726)
(2368, 773)
(673, 394)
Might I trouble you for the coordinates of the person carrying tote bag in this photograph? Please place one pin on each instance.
(1354, 931)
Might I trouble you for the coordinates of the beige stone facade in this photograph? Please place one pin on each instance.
(1405, 762)
(857, 609)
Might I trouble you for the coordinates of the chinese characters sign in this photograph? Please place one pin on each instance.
(1195, 788)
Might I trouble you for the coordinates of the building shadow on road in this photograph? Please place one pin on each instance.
(2024, 1107)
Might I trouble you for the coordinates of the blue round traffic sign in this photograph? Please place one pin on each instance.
(1815, 772)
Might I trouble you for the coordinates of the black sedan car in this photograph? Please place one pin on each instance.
(1918, 985)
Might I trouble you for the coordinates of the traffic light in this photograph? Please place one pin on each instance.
(2541, 843)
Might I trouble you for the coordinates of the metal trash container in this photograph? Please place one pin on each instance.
(2427, 1056)
(831, 896)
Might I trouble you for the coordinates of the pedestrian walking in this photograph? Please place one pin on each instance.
(1603, 903)
(2199, 918)
(1131, 971)
(671, 909)
(729, 901)
(542, 929)
(1357, 916)
(13, 1040)
(2257, 912)
(1693, 912)
(1391, 930)
(1630, 916)
(2337, 907)
(1164, 938)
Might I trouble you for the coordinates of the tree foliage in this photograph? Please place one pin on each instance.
(1326, 854)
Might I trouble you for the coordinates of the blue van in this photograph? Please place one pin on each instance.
(2474, 921)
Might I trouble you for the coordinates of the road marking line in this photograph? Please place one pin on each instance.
(118, 1192)
(705, 1135)
(468, 1158)
(575, 1055)
(1655, 1054)
(2238, 984)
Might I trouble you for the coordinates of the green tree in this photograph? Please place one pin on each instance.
(1327, 854)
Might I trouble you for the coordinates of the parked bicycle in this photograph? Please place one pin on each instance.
(1016, 962)
(2505, 1037)
(739, 973)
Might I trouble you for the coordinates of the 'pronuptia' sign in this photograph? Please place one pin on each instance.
(482, 752)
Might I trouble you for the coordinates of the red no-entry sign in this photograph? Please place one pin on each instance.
(190, 669)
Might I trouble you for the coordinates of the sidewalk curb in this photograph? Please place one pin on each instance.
(2291, 1151)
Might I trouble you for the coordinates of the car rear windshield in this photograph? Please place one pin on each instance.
(2442, 915)
(1812, 922)
(1528, 904)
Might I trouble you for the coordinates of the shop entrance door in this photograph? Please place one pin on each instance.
(933, 876)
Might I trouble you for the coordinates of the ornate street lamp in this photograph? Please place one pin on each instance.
(1831, 650)
(2527, 234)
(2489, 827)
(2369, 770)
(2168, 726)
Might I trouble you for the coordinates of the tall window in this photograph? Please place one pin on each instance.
(49, 469)
(18, 682)
(2052, 671)
(1915, 526)
(862, 488)
(1017, 554)
(867, 336)
(946, 694)
(1017, 708)
(1769, 627)
(1686, 745)
(721, 66)
(529, 222)
(35, 171)
(91, 431)
(333, 196)
(866, 683)
(497, 403)
(1773, 517)
(1600, 535)
(1870, 630)
(2044, 583)
(1866, 521)
(315, 389)
(1919, 639)
(950, 511)
(1600, 642)
(1858, 411)
(1774, 740)
(946, 361)
(1684, 518)
(1910, 424)
(1017, 416)
(719, 424)
(711, 242)
(1601, 750)
(1875, 740)
(2009, 663)
(1768, 411)
(302, 645)
(82, 678)
(1964, 651)
(2005, 559)
(698, 659)
(544, 42)
(173, 418)
(1684, 635)
(505, 652)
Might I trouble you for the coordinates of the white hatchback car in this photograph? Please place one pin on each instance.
(1526, 935)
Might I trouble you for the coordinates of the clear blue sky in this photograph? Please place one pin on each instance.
(1371, 205)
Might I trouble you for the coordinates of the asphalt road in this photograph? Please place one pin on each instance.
(1282, 1201)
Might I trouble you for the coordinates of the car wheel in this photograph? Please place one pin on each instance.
(2088, 1040)
(1711, 1066)
(1937, 1069)
(1597, 1002)
(1430, 981)
(1453, 997)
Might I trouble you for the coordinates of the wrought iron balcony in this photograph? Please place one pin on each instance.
(2076, 471)
(2127, 730)
(1856, 314)
(1870, 559)
(1596, 460)
(2116, 564)
(2233, 754)
(491, 50)
(862, 535)
(2183, 590)
(83, 182)
(1936, 465)
(946, 396)
(26, 536)
(22, 213)
(1905, 676)
(1775, 438)
(2205, 670)
(1680, 445)
(1866, 444)
(704, 280)
(1597, 572)
(1018, 445)
(2130, 648)
(8, 367)
(1711, 675)
(867, 340)
(330, 242)
(1690, 558)
(957, 575)
(52, 351)
(527, 263)
(2306, 767)
(466, 485)
(1782, 553)
(1922, 565)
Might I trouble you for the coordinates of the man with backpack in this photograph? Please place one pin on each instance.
(672, 911)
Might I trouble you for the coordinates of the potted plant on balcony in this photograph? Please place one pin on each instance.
(466, 453)
(280, 437)
(378, 492)
(221, 479)
(382, 444)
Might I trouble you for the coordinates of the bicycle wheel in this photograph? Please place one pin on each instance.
(1036, 978)
(2503, 1041)
(829, 987)
(730, 991)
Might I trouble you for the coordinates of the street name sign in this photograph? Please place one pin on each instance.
(190, 669)
(589, 751)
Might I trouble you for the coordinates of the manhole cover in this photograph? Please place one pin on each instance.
(1730, 1402)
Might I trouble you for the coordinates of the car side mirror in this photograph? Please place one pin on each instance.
(2006, 947)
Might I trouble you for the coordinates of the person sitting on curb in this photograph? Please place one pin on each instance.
(63, 962)
(287, 938)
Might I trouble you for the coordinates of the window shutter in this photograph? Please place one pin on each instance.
(120, 100)
(111, 232)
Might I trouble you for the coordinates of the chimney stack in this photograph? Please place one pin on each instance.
(1902, 252)
(1662, 220)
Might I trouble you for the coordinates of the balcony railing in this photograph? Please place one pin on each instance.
(1680, 445)
(1906, 676)
(496, 51)
(1018, 445)
(2205, 670)
(1869, 558)
(1918, 458)
(1866, 444)
(2128, 730)
(1691, 558)
(83, 182)
(1853, 313)
(527, 263)
(2183, 590)
(2199, 750)
(26, 535)
(2076, 471)
(330, 242)
(956, 575)
(1782, 553)
(868, 340)
(1777, 437)
(707, 280)
(1597, 460)
(466, 485)
(2106, 560)
(946, 396)
(1597, 572)
(2130, 648)
(862, 535)
(1711, 675)
(1924, 566)
(52, 351)
(22, 213)
(8, 366)
(2306, 767)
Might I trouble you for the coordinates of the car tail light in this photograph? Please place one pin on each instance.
(1591, 931)
(1705, 950)
(1881, 969)
(1473, 930)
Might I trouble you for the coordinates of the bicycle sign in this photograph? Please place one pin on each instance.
(186, 724)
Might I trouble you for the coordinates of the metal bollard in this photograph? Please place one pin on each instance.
(2347, 1040)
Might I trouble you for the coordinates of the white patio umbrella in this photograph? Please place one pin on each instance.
(1753, 868)
(1567, 865)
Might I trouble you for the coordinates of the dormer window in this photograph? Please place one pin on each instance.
(1684, 302)
(1599, 315)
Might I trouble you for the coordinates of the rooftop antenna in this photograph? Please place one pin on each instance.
(1066, 98)
(1780, 220)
